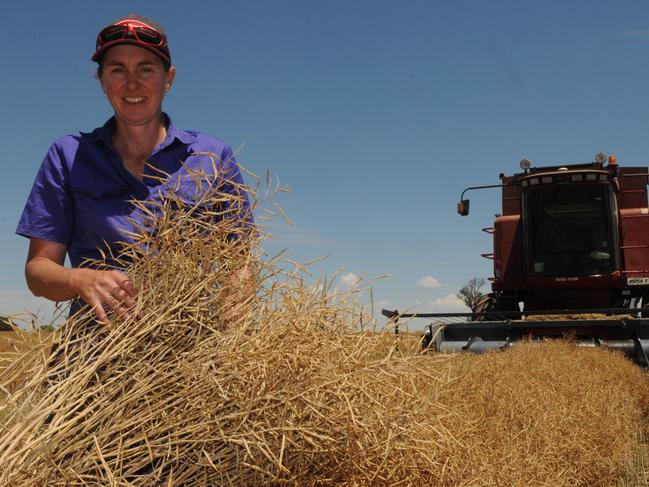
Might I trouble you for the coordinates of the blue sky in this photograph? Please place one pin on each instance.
(376, 114)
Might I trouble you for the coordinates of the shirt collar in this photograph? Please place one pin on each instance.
(105, 133)
(175, 133)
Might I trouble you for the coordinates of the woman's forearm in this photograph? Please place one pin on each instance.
(99, 289)
(49, 279)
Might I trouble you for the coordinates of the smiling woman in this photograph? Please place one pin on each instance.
(135, 82)
(81, 201)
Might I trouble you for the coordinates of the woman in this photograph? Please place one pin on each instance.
(81, 195)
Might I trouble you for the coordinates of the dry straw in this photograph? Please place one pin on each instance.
(205, 384)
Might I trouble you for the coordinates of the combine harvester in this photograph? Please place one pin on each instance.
(570, 258)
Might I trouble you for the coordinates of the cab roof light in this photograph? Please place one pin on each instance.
(600, 158)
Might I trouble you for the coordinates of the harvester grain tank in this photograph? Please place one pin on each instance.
(570, 257)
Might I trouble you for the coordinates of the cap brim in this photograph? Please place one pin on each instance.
(99, 53)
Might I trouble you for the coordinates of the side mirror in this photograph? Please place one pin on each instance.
(463, 207)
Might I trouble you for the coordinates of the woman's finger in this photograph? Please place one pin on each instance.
(118, 306)
(99, 311)
(125, 283)
(129, 287)
(123, 297)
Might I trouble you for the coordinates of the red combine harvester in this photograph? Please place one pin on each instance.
(571, 240)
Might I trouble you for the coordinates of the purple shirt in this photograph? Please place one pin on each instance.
(82, 192)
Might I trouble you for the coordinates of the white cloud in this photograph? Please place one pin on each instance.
(429, 282)
(349, 280)
(382, 303)
(638, 35)
(317, 287)
(449, 303)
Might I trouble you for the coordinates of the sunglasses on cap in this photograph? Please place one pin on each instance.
(135, 32)
(131, 29)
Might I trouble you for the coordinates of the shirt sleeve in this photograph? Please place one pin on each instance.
(233, 184)
(49, 211)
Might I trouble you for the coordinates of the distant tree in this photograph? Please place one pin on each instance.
(4, 324)
(470, 293)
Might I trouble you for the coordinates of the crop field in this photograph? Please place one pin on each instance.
(6, 352)
(12, 343)
(7, 338)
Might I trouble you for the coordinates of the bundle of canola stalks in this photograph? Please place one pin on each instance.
(205, 384)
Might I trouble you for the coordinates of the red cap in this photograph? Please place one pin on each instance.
(136, 30)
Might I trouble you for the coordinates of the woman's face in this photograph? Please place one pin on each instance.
(135, 82)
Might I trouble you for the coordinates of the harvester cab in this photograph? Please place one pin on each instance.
(570, 258)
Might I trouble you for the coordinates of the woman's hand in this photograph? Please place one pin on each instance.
(99, 289)
(47, 277)
(240, 288)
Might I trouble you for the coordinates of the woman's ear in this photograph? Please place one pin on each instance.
(171, 75)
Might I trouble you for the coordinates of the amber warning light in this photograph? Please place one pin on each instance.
(612, 161)
(463, 207)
